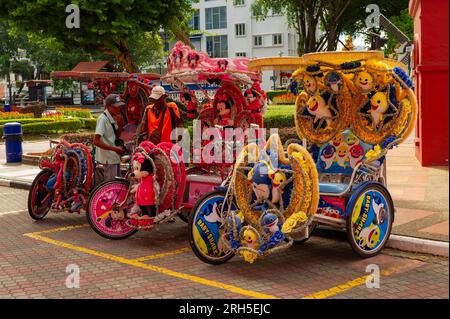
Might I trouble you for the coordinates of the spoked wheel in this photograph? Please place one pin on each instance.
(370, 220)
(102, 212)
(39, 198)
(204, 224)
(300, 238)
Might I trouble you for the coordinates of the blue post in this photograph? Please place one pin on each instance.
(12, 134)
(7, 108)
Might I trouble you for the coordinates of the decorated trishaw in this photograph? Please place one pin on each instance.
(67, 175)
(351, 109)
(157, 183)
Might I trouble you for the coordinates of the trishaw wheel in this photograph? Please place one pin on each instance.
(370, 218)
(99, 209)
(38, 193)
(204, 221)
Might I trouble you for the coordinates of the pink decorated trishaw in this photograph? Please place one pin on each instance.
(157, 183)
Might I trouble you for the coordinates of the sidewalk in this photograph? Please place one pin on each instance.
(420, 194)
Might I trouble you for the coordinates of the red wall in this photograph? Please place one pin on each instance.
(431, 32)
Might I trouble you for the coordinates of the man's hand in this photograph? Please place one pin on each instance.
(119, 150)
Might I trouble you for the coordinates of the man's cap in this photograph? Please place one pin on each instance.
(157, 92)
(113, 100)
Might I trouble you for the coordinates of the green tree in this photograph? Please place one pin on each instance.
(331, 17)
(107, 27)
(406, 24)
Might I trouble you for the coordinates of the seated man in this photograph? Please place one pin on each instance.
(160, 117)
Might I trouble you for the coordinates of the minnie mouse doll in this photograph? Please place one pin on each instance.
(254, 105)
(224, 108)
(145, 191)
(186, 98)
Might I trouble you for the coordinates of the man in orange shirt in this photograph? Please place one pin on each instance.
(160, 117)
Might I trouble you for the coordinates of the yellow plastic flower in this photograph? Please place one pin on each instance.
(248, 256)
(292, 221)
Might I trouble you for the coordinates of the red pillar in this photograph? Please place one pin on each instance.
(430, 57)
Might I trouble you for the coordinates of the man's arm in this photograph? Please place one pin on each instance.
(99, 143)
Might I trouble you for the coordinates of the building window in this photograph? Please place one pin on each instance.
(217, 46)
(241, 54)
(256, 11)
(194, 23)
(239, 29)
(277, 39)
(216, 18)
(257, 40)
(238, 3)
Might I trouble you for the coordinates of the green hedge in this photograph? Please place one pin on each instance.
(74, 112)
(27, 120)
(278, 116)
(88, 124)
(59, 127)
(273, 93)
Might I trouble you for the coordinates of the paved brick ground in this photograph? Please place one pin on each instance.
(324, 267)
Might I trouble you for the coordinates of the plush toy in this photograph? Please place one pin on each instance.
(145, 190)
(254, 105)
(224, 108)
(190, 103)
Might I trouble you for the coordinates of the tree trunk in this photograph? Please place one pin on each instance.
(125, 58)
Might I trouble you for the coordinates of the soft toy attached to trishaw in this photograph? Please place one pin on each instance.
(351, 108)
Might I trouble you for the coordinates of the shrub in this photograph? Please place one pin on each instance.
(26, 120)
(273, 93)
(75, 112)
(88, 124)
(287, 98)
(15, 115)
(279, 116)
(48, 127)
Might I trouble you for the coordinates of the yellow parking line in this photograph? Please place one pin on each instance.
(352, 284)
(135, 263)
(162, 255)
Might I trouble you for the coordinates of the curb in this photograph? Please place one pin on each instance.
(419, 245)
(15, 184)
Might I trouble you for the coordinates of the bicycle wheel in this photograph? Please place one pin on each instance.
(39, 193)
(99, 209)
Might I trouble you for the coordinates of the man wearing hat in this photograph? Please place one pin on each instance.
(160, 117)
(108, 148)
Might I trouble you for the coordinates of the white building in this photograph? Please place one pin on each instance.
(230, 29)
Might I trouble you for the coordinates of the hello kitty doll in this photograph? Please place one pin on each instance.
(145, 191)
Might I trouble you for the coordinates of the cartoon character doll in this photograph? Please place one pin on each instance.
(309, 84)
(364, 81)
(319, 108)
(379, 105)
(145, 191)
(222, 65)
(225, 116)
(254, 105)
(193, 59)
(177, 57)
(191, 105)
